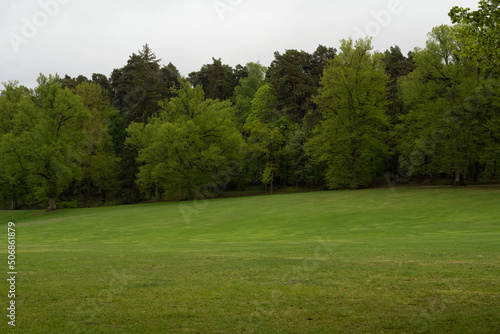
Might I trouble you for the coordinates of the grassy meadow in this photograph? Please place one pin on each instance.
(412, 260)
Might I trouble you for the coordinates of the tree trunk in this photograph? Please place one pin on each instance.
(89, 180)
(459, 181)
(52, 204)
(296, 111)
(88, 194)
(272, 182)
(13, 203)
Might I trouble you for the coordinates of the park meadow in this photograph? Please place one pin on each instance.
(406, 260)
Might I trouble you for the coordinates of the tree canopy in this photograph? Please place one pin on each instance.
(187, 145)
(352, 138)
(331, 119)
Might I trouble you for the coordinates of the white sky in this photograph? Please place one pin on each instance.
(96, 36)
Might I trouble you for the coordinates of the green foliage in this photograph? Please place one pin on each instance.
(309, 120)
(140, 85)
(301, 171)
(266, 144)
(13, 163)
(397, 66)
(189, 144)
(71, 83)
(352, 138)
(288, 76)
(116, 128)
(263, 106)
(268, 129)
(99, 163)
(444, 128)
(53, 139)
(268, 175)
(479, 31)
(246, 90)
(488, 97)
(136, 90)
(102, 81)
(217, 80)
(41, 148)
(295, 77)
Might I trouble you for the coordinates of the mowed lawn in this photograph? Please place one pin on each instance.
(413, 260)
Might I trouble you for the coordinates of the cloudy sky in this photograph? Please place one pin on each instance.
(96, 36)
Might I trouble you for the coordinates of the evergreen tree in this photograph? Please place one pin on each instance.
(397, 66)
(137, 86)
(289, 75)
(217, 80)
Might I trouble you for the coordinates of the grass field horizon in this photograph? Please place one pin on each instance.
(412, 260)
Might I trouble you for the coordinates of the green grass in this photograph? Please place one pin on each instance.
(370, 261)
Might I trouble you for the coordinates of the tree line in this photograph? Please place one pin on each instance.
(336, 119)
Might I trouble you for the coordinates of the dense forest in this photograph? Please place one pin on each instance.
(343, 118)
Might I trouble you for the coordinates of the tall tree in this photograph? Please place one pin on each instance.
(50, 129)
(71, 83)
(487, 97)
(187, 146)
(139, 86)
(295, 76)
(300, 171)
(352, 138)
(319, 60)
(240, 72)
(246, 89)
(99, 163)
(13, 164)
(439, 133)
(479, 31)
(397, 66)
(171, 76)
(103, 81)
(217, 80)
(268, 131)
(265, 142)
(288, 74)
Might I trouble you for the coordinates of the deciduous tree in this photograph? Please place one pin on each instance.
(352, 138)
(13, 163)
(479, 31)
(246, 90)
(99, 163)
(50, 130)
(440, 132)
(187, 146)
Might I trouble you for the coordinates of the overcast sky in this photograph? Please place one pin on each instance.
(96, 36)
